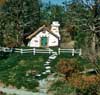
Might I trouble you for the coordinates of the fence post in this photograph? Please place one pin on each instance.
(80, 52)
(59, 51)
(21, 51)
(73, 51)
(10, 50)
(4, 50)
(0, 48)
(49, 50)
(33, 51)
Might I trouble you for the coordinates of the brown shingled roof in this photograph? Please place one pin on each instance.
(34, 33)
(38, 30)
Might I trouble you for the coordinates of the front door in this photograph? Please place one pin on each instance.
(43, 41)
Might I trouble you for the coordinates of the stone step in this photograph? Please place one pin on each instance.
(52, 57)
(38, 75)
(48, 71)
(47, 62)
(48, 67)
(55, 53)
(44, 73)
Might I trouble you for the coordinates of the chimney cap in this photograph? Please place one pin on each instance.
(55, 23)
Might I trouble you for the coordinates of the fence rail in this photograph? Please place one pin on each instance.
(20, 50)
(72, 51)
(36, 50)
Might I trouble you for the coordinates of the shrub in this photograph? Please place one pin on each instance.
(31, 85)
(61, 87)
(85, 85)
(67, 67)
(13, 70)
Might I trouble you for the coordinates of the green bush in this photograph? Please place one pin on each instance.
(13, 70)
(61, 87)
(31, 84)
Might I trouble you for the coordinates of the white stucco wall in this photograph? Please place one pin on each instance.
(55, 30)
(36, 41)
(53, 41)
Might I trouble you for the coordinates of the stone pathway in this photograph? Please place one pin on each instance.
(44, 82)
(17, 91)
(43, 87)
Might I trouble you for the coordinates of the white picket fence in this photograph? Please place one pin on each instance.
(36, 50)
(22, 51)
(72, 51)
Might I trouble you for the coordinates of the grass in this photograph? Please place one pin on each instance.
(18, 70)
(61, 88)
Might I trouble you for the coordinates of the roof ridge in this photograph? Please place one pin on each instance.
(35, 31)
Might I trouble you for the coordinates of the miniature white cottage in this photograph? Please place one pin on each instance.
(44, 37)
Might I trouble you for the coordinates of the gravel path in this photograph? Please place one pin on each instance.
(17, 91)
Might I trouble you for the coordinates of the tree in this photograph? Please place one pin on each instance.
(51, 13)
(85, 18)
(16, 16)
(94, 30)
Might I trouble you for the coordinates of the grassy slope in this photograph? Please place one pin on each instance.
(82, 62)
(13, 69)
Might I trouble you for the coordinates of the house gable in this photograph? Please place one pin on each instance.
(43, 40)
(41, 29)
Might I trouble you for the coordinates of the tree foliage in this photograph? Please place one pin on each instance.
(15, 17)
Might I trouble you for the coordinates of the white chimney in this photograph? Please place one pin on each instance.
(55, 28)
